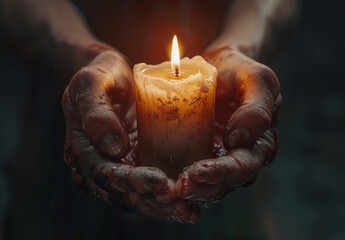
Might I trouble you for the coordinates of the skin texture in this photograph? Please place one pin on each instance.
(247, 112)
(99, 113)
(100, 116)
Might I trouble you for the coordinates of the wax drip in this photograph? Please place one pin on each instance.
(149, 114)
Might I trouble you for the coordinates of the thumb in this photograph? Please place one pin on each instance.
(89, 90)
(103, 126)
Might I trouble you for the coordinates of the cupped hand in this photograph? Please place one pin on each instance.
(247, 112)
(99, 111)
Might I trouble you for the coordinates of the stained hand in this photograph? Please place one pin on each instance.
(99, 112)
(247, 112)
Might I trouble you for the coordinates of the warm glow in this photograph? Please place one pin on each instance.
(175, 57)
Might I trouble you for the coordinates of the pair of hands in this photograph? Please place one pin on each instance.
(101, 144)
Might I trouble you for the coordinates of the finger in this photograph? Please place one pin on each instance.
(239, 165)
(145, 179)
(75, 130)
(162, 199)
(115, 176)
(258, 88)
(101, 124)
(125, 178)
(109, 175)
(87, 185)
(190, 190)
(102, 95)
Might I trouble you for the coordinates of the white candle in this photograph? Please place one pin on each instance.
(175, 112)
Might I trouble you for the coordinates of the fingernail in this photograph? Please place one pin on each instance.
(112, 145)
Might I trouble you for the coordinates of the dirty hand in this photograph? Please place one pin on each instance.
(99, 111)
(247, 112)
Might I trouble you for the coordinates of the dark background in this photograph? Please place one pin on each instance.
(300, 196)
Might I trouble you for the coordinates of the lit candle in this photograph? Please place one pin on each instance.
(175, 111)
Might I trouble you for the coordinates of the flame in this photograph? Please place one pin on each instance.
(175, 57)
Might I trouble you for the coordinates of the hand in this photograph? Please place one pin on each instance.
(247, 112)
(99, 110)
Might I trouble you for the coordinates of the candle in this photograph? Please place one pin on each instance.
(175, 112)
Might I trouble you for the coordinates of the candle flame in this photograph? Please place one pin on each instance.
(175, 57)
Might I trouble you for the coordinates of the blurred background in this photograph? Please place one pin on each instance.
(300, 196)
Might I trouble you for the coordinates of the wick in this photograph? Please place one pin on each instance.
(177, 73)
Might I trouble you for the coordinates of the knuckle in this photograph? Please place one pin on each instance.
(271, 80)
(266, 75)
(86, 75)
(266, 72)
(255, 70)
(263, 71)
(84, 80)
